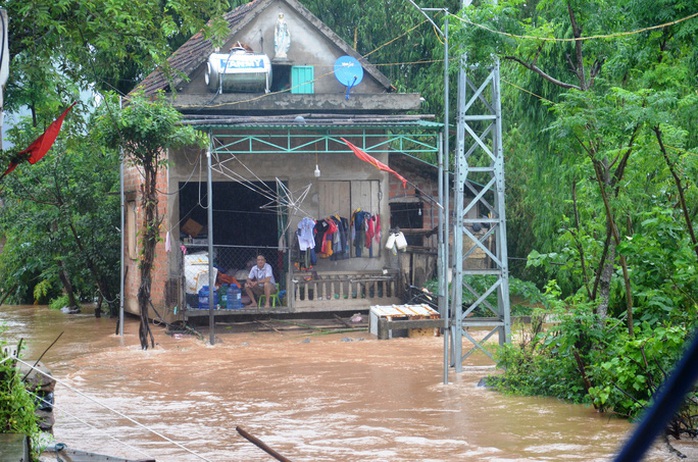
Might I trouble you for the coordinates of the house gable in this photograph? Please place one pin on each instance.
(313, 51)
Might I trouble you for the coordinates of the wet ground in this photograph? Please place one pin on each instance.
(311, 397)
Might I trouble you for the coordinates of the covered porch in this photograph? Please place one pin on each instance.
(286, 169)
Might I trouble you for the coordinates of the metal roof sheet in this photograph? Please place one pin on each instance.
(312, 123)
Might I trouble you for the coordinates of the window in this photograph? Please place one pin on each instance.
(408, 216)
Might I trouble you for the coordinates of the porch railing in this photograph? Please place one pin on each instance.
(312, 290)
(339, 290)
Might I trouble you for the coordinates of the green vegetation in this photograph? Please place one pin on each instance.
(17, 407)
(601, 155)
(144, 131)
(60, 217)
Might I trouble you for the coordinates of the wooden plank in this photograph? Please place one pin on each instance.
(413, 323)
(364, 195)
(334, 197)
(76, 455)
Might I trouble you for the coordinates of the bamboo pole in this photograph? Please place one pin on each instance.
(261, 445)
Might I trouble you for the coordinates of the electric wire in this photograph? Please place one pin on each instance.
(576, 39)
(321, 76)
(94, 427)
(466, 20)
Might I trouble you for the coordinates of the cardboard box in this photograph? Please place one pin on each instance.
(191, 228)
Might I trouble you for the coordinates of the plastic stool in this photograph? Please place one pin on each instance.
(273, 299)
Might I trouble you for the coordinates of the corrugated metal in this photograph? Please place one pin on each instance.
(242, 123)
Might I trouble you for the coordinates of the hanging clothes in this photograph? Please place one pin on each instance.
(340, 240)
(377, 228)
(328, 237)
(305, 257)
(369, 235)
(336, 237)
(321, 228)
(359, 231)
(369, 231)
(306, 233)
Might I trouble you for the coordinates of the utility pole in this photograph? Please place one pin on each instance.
(443, 192)
(4, 65)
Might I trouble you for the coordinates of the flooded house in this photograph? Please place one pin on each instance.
(313, 159)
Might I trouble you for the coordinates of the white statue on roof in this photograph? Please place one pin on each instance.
(282, 38)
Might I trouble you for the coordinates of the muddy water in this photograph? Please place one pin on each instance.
(340, 397)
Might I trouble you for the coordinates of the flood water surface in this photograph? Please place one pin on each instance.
(338, 397)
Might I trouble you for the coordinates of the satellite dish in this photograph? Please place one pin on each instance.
(348, 71)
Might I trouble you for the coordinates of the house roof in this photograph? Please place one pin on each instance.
(190, 55)
(300, 134)
(313, 121)
(195, 51)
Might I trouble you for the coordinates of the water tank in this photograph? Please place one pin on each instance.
(204, 298)
(234, 300)
(238, 71)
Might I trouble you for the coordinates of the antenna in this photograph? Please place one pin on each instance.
(349, 72)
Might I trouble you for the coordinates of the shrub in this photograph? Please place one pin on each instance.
(17, 408)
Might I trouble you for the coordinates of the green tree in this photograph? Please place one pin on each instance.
(61, 221)
(396, 37)
(144, 130)
(17, 407)
(57, 51)
(100, 44)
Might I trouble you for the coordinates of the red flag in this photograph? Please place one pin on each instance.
(375, 162)
(41, 145)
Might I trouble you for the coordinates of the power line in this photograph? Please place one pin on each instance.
(576, 39)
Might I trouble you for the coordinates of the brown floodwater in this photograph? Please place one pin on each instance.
(338, 397)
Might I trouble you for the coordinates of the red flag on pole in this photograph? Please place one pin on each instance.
(375, 162)
(41, 145)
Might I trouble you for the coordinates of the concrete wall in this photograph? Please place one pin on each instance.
(309, 47)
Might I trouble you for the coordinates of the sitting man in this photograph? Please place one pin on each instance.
(260, 281)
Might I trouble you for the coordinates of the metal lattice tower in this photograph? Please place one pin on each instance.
(480, 285)
(478, 251)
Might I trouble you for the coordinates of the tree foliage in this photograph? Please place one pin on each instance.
(603, 155)
(144, 130)
(17, 406)
(599, 109)
(396, 37)
(60, 219)
(100, 44)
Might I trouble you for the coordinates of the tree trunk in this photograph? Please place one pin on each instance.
(679, 189)
(605, 283)
(149, 202)
(99, 281)
(605, 182)
(67, 285)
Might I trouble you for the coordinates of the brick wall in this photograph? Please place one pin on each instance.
(133, 181)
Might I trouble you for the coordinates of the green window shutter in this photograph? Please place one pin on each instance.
(302, 79)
